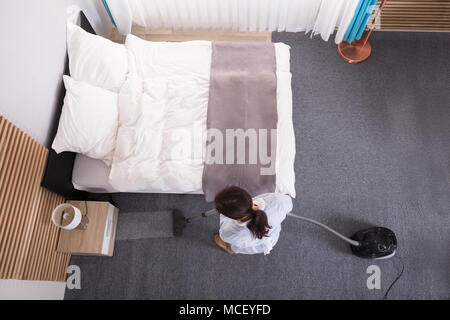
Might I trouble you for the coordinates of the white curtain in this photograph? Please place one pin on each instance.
(318, 16)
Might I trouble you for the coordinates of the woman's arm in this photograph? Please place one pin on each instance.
(281, 204)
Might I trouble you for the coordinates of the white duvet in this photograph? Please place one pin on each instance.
(162, 118)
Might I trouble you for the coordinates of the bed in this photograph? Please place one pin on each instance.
(170, 60)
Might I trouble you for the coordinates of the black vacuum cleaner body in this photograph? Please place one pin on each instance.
(374, 243)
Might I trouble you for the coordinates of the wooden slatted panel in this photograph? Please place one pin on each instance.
(28, 239)
(415, 15)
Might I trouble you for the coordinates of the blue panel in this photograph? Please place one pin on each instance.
(352, 23)
(359, 21)
(109, 13)
(367, 17)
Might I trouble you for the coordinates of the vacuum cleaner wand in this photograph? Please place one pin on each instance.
(203, 215)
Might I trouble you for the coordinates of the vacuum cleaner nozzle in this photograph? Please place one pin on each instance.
(374, 243)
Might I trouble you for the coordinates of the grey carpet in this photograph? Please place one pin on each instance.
(372, 149)
(145, 225)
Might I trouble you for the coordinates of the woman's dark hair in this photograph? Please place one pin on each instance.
(236, 203)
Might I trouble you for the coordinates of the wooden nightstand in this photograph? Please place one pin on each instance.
(98, 238)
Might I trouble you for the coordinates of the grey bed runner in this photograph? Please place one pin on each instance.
(242, 95)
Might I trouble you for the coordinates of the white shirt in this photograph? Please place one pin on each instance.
(236, 233)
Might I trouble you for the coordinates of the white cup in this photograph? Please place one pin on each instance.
(58, 212)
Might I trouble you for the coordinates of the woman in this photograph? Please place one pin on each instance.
(249, 225)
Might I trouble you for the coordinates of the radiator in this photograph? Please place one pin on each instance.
(416, 15)
(28, 238)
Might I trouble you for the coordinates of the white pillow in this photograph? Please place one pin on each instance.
(154, 59)
(88, 122)
(95, 59)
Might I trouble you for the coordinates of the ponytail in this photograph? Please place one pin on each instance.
(259, 224)
(236, 203)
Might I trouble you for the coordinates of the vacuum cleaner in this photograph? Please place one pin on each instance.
(371, 243)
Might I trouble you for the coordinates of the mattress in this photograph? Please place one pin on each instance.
(92, 175)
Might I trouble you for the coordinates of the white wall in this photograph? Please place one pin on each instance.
(96, 14)
(32, 58)
(31, 290)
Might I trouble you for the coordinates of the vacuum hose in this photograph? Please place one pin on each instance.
(352, 242)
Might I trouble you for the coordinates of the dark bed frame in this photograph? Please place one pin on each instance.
(58, 170)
